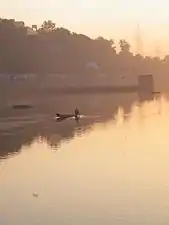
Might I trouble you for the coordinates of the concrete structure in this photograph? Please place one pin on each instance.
(146, 83)
(19, 24)
(63, 84)
(145, 87)
(34, 27)
(142, 83)
(31, 31)
(33, 87)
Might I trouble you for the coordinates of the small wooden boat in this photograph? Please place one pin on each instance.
(61, 117)
(64, 116)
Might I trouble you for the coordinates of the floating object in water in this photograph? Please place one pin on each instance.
(22, 106)
(35, 194)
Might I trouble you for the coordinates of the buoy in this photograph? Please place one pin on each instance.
(35, 194)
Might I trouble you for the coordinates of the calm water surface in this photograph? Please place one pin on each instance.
(111, 171)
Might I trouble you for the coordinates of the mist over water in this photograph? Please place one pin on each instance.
(84, 119)
(109, 168)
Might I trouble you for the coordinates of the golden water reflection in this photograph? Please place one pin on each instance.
(113, 173)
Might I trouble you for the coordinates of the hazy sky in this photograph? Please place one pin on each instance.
(110, 18)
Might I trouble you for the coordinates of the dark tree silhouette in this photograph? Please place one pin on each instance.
(124, 45)
(48, 26)
(58, 50)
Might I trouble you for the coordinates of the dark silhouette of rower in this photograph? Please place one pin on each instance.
(77, 113)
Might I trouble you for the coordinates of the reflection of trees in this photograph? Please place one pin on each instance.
(12, 142)
(124, 46)
(54, 140)
(54, 133)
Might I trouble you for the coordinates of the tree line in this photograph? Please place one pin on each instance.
(57, 50)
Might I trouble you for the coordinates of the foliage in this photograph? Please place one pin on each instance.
(57, 50)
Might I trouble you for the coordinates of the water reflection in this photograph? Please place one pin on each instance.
(21, 127)
(114, 172)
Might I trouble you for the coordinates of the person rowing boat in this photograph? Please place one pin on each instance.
(77, 113)
(66, 116)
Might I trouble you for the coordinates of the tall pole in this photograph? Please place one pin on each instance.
(139, 42)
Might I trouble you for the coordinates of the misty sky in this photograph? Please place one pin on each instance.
(109, 18)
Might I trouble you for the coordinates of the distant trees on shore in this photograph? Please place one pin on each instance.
(52, 49)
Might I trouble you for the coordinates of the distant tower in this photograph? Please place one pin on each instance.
(139, 43)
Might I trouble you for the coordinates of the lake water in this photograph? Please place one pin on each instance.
(109, 168)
